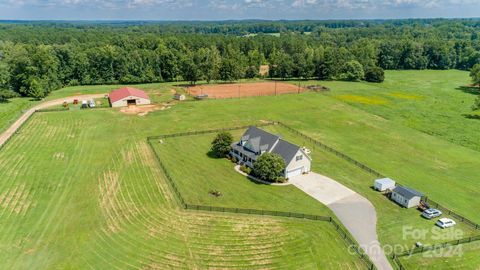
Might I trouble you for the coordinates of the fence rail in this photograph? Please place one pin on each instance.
(191, 133)
(332, 150)
(438, 246)
(256, 212)
(62, 109)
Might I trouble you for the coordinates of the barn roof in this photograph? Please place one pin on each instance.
(122, 93)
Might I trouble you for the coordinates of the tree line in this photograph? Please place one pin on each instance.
(36, 58)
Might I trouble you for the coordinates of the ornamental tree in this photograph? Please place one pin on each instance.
(221, 145)
(269, 167)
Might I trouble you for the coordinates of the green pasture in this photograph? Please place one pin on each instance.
(435, 102)
(53, 172)
(463, 257)
(76, 195)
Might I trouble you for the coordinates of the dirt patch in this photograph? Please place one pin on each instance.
(145, 109)
(236, 90)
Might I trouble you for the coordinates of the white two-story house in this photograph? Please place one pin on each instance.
(255, 142)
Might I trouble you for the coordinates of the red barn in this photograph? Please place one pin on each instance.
(128, 96)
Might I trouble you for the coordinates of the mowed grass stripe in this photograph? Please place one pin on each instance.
(152, 233)
(47, 224)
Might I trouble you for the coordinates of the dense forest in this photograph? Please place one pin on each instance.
(38, 57)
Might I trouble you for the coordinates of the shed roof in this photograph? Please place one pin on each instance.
(406, 192)
(122, 93)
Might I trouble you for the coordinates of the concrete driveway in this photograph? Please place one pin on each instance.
(14, 127)
(355, 212)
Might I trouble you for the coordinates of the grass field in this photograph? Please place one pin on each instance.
(54, 171)
(434, 102)
(74, 198)
(459, 257)
(12, 109)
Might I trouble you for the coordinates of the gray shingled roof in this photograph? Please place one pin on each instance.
(259, 140)
(407, 193)
(286, 150)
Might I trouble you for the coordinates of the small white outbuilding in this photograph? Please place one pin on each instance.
(178, 96)
(384, 184)
(406, 197)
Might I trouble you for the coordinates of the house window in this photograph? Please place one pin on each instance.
(299, 158)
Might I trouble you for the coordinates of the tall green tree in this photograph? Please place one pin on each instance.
(209, 62)
(475, 75)
(233, 65)
(190, 70)
(221, 144)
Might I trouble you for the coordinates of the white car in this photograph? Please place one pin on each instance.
(445, 223)
(431, 213)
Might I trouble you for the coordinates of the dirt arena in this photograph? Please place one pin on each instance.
(236, 90)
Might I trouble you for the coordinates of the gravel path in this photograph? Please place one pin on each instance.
(355, 212)
(14, 127)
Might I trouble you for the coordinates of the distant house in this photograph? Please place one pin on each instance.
(255, 142)
(128, 96)
(384, 184)
(406, 197)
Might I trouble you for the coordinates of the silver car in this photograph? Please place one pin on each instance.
(431, 213)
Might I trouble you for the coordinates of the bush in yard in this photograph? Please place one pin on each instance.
(375, 74)
(281, 179)
(245, 169)
(221, 144)
(476, 105)
(269, 167)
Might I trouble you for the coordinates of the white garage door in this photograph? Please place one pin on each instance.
(294, 172)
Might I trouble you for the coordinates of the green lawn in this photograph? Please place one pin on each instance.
(81, 189)
(12, 109)
(434, 102)
(463, 257)
(196, 173)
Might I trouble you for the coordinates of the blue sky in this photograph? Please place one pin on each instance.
(234, 9)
